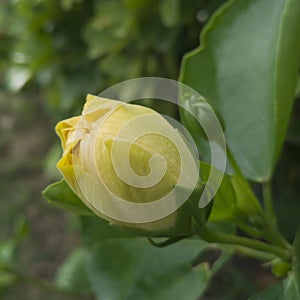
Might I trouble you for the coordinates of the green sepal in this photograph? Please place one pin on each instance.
(280, 268)
(247, 205)
(182, 226)
(201, 215)
(59, 194)
(187, 112)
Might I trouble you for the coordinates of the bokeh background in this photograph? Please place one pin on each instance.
(54, 52)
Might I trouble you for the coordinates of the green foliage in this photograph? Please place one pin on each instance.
(242, 68)
(225, 70)
(95, 229)
(111, 265)
(72, 275)
(9, 255)
(296, 266)
(57, 191)
(246, 66)
(141, 271)
(282, 290)
(66, 48)
(224, 203)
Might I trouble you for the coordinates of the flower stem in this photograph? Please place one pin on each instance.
(268, 204)
(216, 237)
(260, 255)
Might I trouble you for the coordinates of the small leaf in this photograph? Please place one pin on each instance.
(246, 201)
(7, 253)
(59, 194)
(280, 268)
(224, 202)
(7, 279)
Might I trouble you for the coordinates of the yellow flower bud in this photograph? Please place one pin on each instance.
(130, 166)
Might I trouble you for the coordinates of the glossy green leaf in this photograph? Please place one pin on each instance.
(247, 67)
(60, 194)
(72, 275)
(133, 269)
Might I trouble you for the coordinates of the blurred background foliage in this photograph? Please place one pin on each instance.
(54, 52)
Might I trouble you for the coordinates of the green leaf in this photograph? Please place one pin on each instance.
(283, 290)
(95, 229)
(60, 195)
(133, 269)
(103, 33)
(274, 292)
(247, 67)
(170, 12)
(246, 201)
(296, 266)
(280, 268)
(7, 253)
(290, 289)
(224, 203)
(72, 275)
(7, 279)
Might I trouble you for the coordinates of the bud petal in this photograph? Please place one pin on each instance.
(123, 160)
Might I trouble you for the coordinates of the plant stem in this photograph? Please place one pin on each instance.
(273, 236)
(248, 229)
(271, 233)
(264, 256)
(278, 245)
(215, 237)
(268, 204)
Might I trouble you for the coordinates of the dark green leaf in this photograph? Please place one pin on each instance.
(133, 269)
(283, 290)
(297, 261)
(274, 292)
(95, 229)
(247, 67)
(59, 194)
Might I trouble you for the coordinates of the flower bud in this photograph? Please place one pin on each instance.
(130, 166)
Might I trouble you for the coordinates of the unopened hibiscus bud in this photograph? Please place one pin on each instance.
(130, 166)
